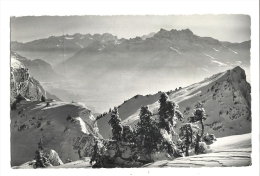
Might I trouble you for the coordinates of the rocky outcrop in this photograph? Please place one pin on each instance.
(22, 83)
(53, 158)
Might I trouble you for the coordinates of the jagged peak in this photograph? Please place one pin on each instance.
(163, 30)
(173, 33)
(238, 69)
(187, 31)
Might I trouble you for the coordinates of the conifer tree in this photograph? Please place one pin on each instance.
(168, 114)
(43, 99)
(127, 134)
(41, 160)
(97, 156)
(163, 111)
(148, 132)
(199, 116)
(188, 134)
(115, 122)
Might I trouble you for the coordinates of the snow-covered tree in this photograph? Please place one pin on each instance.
(97, 155)
(199, 116)
(115, 122)
(41, 160)
(168, 113)
(209, 138)
(148, 133)
(188, 134)
(128, 133)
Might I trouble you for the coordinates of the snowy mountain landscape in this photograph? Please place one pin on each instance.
(190, 104)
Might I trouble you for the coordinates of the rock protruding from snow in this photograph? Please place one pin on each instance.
(53, 158)
(22, 83)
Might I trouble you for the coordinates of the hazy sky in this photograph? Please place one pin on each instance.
(233, 28)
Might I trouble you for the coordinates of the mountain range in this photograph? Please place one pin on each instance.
(52, 49)
(140, 65)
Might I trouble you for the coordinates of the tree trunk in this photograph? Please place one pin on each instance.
(187, 150)
(202, 127)
(188, 145)
(199, 137)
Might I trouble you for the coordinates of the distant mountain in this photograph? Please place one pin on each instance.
(144, 37)
(226, 98)
(65, 95)
(171, 49)
(51, 49)
(51, 96)
(39, 69)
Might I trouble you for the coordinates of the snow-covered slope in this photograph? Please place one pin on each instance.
(225, 152)
(69, 137)
(125, 110)
(226, 98)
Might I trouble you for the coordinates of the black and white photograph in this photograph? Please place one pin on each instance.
(132, 91)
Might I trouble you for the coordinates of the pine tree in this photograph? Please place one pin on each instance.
(43, 99)
(168, 113)
(199, 116)
(127, 134)
(41, 160)
(188, 133)
(148, 132)
(163, 111)
(116, 125)
(97, 156)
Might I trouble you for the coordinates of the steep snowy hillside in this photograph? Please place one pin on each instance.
(125, 110)
(226, 98)
(39, 69)
(67, 128)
